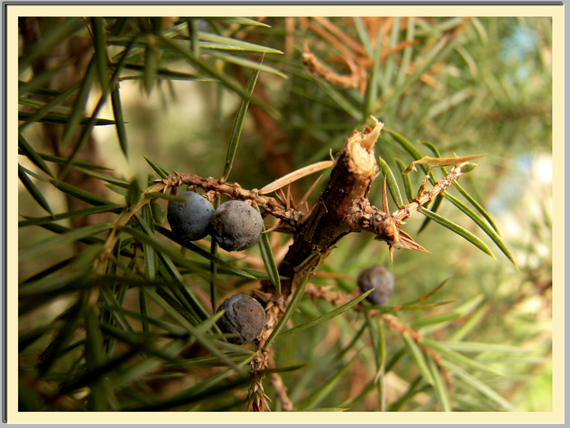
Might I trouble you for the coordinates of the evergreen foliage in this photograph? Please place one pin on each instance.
(118, 313)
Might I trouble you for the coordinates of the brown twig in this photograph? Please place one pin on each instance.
(281, 391)
(319, 69)
(394, 323)
(342, 209)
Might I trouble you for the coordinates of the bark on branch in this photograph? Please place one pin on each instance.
(342, 209)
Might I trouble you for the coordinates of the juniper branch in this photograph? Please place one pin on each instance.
(342, 208)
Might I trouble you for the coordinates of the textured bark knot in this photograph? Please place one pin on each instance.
(360, 150)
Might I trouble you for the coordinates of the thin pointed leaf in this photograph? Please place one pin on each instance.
(59, 229)
(407, 181)
(394, 359)
(363, 34)
(352, 343)
(162, 249)
(375, 338)
(116, 99)
(315, 398)
(43, 290)
(490, 232)
(406, 145)
(165, 196)
(27, 338)
(236, 43)
(157, 212)
(353, 401)
(297, 296)
(36, 82)
(480, 29)
(441, 349)
(171, 328)
(473, 322)
(49, 106)
(208, 361)
(327, 316)
(81, 194)
(166, 74)
(117, 189)
(268, 259)
(62, 120)
(121, 182)
(119, 26)
(406, 307)
(119, 121)
(283, 369)
(437, 320)
(238, 124)
(188, 300)
(64, 335)
(119, 317)
(193, 31)
(409, 394)
(429, 294)
(33, 190)
(59, 160)
(163, 173)
(342, 102)
(418, 357)
(371, 94)
(389, 66)
(244, 62)
(381, 349)
(225, 79)
(33, 174)
(443, 48)
(407, 56)
(51, 39)
(29, 102)
(52, 269)
(80, 103)
(135, 371)
(150, 259)
(190, 315)
(467, 196)
(439, 386)
(479, 386)
(483, 347)
(87, 130)
(392, 184)
(150, 63)
(202, 391)
(203, 253)
(214, 266)
(134, 193)
(295, 175)
(83, 137)
(458, 230)
(34, 221)
(197, 332)
(111, 365)
(32, 155)
(95, 355)
(246, 21)
(100, 46)
(435, 207)
(50, 244)
(477, 206)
